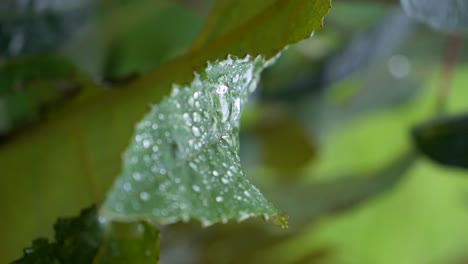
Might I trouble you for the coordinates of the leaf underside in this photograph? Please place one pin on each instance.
(444, 140)
(183, 162)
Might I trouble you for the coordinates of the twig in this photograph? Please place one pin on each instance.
(448, 62)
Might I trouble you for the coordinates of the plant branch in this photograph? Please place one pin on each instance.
(448, 62)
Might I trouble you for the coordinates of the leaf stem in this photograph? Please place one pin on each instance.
(448, 62)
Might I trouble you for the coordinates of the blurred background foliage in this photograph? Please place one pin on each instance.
(327, 136)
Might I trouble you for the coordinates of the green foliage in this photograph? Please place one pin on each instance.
(31, 84)
(444, 140)
(184, 160)
(86, 139)
(76, 241)
(89, 239)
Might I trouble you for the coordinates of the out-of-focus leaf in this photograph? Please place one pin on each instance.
(285, 145)
(88, 239)
(31, 84)
(85, 141)
(40, 26)
(129, 243)
(147, 45)
(444, 140)
(230, 243)
(183, 162)
(421, 221)
(447, 15)
(338, 195)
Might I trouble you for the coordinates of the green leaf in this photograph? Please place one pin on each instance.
(76, 241)
(260, 27)
(444, 140)
(31, 84)
(85, 141)
(88, 239)
(183, 162)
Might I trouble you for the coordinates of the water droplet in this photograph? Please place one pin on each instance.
(215, 173)
(196, 131)
(102, 220)
(219, 199)
(196, 117)
(193, 165)
(188, 119)
(195, 188)
(399, 66)
(161, 117)
(246, 193)
(154, 126)
(195, 95)
(146, 143)
(221, 89)
(162, 171)
(127, 186)
(144, 196)
(224, 180)
(155, 148)
(136, 176)
(235, 78)
(119, 207)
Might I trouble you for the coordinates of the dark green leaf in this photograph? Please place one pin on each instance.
(90, 239)
(183, 162)
(76, 241)
(444, 140)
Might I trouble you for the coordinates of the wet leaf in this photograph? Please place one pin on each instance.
(85, 141)
(183, 162)
(444, 140)
(447, 15)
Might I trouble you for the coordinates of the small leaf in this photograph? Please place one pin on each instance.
(183, 162)
(88, 239)
(76, 241)
(444, 140)
(447, 15)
